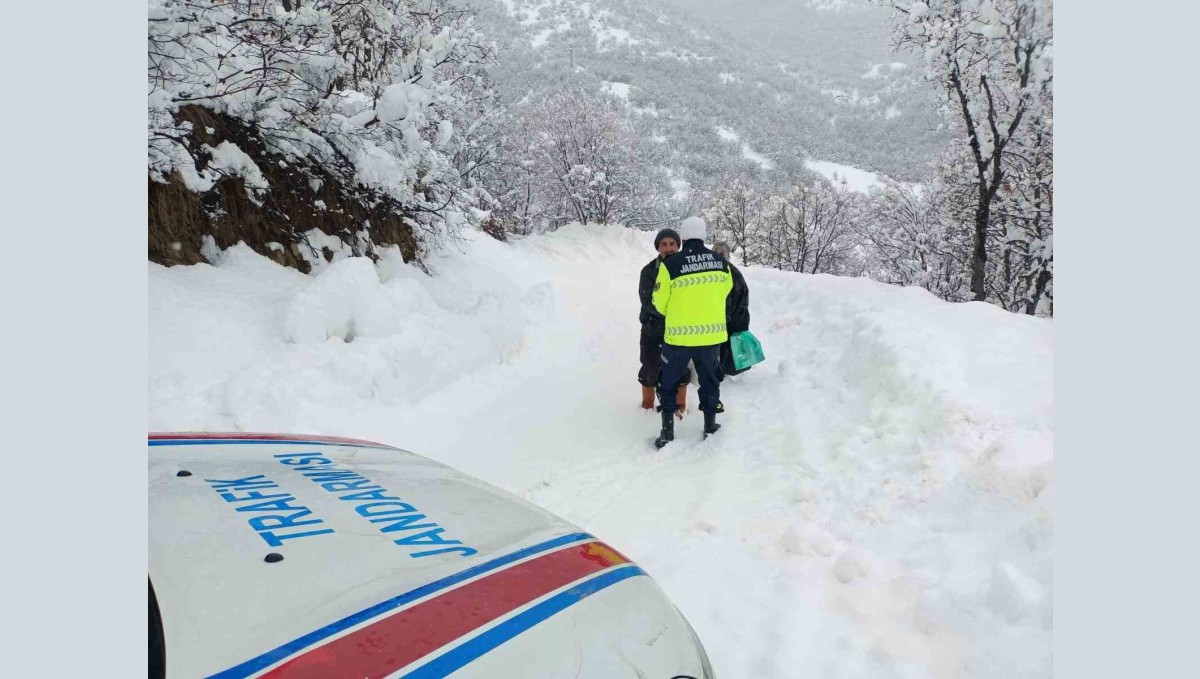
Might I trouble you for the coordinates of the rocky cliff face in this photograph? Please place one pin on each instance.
(276, 222)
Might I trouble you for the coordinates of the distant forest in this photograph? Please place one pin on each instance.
(819, 85)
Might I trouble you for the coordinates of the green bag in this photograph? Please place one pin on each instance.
(746, 350)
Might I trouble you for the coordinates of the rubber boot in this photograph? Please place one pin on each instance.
(681, 401)
(668, 431)
(647, 397)
(710, 424)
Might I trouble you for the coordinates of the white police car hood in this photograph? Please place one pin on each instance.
(317, 557)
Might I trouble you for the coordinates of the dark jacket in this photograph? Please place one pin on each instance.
(737, 305)
(649, 315)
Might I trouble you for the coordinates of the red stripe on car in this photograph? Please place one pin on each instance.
(388, 644)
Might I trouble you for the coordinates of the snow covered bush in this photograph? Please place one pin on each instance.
(373, 94)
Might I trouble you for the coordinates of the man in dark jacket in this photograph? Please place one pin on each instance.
(667, 243)
(737, 312)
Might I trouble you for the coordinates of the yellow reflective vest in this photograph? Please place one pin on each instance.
(690, 292)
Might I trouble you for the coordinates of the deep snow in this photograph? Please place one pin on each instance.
(877, 503)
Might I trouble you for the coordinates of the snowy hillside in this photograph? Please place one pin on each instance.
(877, 503)
(807, 84)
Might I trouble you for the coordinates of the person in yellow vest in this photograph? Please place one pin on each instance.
(690, 293)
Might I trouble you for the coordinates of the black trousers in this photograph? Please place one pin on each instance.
(651, 356)
(674, 363)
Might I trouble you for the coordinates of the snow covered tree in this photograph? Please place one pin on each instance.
(910, 242)
(364, 93)
(1022, 275)
(992, 59)
(587, 163)
(512, 189)
(810, 228)
(732, 211)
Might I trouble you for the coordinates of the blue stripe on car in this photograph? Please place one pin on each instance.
(289, 649)
(459, 656)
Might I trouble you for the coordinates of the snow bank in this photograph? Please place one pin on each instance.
(620, 90)
(287, 338)
(877, 503)
(541, 38)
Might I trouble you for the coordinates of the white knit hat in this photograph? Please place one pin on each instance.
(693, 227)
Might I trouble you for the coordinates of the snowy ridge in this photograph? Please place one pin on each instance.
(877, 503)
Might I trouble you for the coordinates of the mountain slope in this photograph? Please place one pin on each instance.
(832, 92)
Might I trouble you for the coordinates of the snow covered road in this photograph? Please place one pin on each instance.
(877, 503)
